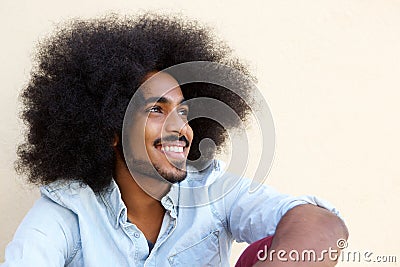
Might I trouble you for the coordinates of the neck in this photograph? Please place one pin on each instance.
(145, 211)
(137, 201)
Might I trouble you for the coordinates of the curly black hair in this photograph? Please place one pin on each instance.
(84, 77)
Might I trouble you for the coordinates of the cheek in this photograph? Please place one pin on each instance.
(136, 141)
(137, 136)
(152, 132)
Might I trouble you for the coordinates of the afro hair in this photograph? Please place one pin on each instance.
(83, 79)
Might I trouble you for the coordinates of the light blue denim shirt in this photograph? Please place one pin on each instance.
(71, 226)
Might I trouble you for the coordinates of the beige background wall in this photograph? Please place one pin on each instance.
(330, 71)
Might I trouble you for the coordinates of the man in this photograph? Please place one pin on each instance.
(110, 199)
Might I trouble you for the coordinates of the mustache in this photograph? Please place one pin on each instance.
(172, 138)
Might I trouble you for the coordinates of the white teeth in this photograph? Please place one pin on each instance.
(172, 148)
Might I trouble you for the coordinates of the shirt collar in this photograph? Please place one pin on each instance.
(117, 210)
(116, 207)
(171, 200)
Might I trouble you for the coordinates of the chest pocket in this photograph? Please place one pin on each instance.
(203, 253)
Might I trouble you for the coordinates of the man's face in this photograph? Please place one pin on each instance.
(160, 136)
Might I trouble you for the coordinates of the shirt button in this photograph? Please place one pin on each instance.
(136, 234)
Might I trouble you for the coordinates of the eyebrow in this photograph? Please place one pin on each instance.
(161, 100)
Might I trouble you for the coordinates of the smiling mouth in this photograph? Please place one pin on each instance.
(173, 147)
(174, 150)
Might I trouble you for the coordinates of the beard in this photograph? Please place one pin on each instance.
(175, 174)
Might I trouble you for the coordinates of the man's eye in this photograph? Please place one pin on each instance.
(154, 109)
(183, 112)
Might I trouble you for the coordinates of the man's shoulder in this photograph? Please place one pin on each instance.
(70, 187)
(205, 174)
(71, 195)
(52, 201)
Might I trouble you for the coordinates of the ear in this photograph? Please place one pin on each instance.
(115, 140)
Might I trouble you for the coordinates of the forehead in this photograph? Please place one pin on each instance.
(161, 84)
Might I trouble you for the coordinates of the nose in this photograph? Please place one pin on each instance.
(174, 123)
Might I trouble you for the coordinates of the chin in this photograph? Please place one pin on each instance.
(175, 176)
(173, 172)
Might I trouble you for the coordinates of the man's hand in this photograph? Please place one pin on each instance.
(306, 228)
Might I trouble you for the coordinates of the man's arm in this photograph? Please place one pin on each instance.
(303, 231)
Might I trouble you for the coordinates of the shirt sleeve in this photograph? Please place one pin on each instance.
(45, 237)
(255, 215)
